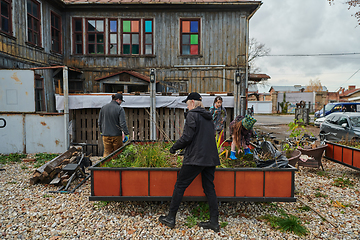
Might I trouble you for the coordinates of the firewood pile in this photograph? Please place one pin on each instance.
(52, 171)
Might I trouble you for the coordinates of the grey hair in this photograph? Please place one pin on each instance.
(198, 103)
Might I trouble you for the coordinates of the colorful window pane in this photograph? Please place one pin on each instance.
(131, 36)
(148, 37)
(190, 30)
(113, 36)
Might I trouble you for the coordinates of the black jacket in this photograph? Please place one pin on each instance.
(198, 139)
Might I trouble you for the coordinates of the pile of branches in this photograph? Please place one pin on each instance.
(52, 171)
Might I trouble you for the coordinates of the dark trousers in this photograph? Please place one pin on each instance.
(187, 174)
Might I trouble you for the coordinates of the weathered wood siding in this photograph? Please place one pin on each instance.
(223, 41)
(16, 53)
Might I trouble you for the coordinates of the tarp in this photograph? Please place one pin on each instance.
(80, 101)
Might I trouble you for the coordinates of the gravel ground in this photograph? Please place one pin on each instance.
(31, 212)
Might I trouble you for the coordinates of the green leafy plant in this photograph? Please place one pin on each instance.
(319, 194)
(286, 223)
(147, 155)
(284, 105)
(12, 157)
(100, 204)
(42, 158)
(304, 208)
(200, 213)
(343, 182)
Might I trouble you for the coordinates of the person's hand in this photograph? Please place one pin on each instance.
(172, 151)
(126, 138)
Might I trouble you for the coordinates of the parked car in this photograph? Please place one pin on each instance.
(319, 121)
(338, 107)
(341, 126)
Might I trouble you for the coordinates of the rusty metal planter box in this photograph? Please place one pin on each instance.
(157, 184)
(342, 154)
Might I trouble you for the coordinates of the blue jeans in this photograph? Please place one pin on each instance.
(187, 174)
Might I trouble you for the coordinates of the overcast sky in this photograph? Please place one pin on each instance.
(308, 27)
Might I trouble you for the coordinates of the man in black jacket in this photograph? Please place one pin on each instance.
(200, 156)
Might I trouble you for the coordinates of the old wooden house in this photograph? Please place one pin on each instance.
(192, 45)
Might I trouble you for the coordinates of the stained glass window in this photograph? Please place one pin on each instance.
(131, 36)
(113, 36)
(148, 37)
(189, 40)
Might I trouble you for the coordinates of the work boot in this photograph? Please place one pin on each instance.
(213, 224)
(168, 220)
(232, 155)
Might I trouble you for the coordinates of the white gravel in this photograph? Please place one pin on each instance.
(31, 212)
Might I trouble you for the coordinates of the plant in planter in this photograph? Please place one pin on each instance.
(116, 178)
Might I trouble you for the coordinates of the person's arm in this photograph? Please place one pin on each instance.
(188, 133)
(122, 121)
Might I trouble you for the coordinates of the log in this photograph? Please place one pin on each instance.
(51, 165)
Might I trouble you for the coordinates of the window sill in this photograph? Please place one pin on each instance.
(34, 46)
(56, 53)
(190, 56)
(5, 34)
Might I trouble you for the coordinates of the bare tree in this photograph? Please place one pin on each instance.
(351, 4)
(256, 50)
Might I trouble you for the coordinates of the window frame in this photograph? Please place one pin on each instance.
(42, 93)
(52, 13)
(96, 35)
(131, 33)
(38, 19)
(75, 33)
(117, 36)
(181, 36)
(144, 36)
(9, 2)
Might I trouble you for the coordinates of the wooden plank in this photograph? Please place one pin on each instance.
(141, 123)
(147, 124)
(167, 121)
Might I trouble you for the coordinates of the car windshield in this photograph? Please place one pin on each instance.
(328, 107)
(355, 121)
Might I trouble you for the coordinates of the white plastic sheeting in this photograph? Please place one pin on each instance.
(135, 101)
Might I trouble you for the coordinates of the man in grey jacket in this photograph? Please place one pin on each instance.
(112, 124)
(201, 156)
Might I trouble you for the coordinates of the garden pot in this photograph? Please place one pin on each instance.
(294, 157)
(157, 184)
(316, 153)
(343, 154)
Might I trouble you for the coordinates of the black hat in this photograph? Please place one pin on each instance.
(119, 96)
(193, 96)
